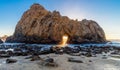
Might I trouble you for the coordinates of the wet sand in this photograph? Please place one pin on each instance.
(62, 60)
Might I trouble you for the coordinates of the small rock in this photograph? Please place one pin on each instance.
(35, 57)
(11, 60)
(51, 64)
(10, 53)
(75, 54)
(104, 57)
(88, 55)
(50, 60)
(28, 57)
(2, 52)
(74, 60)
(90, 60)
(17, 52)
(4, 56)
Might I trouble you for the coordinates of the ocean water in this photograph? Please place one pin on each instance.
(14, 45)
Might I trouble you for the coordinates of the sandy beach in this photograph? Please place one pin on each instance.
(89, 63)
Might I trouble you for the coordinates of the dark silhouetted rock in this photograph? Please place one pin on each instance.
(18, 52)
(10, 53)
(74, 60)
(3, 38)
(90, 60)
(49, 62)
(35, 57)
(3, 54)
(38, 25)
(88, 54)
(11, 60)
(1, 41)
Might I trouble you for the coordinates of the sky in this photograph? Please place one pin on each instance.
(105, 12)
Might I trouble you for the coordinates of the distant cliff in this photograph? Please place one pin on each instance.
(38, 25)
(3, 38)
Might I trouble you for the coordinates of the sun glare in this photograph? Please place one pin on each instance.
(64, 41)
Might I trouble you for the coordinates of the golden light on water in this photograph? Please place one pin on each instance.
(64, 41)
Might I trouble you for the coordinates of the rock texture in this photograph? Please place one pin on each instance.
(38, 25)
(3, 38)
(1, 41)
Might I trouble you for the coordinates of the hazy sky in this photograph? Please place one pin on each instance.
(105, 12)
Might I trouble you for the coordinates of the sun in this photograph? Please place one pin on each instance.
(64, 40)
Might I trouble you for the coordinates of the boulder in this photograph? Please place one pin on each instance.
(9, 52)
(49, 62)
(39, 25)
(88, 54)
(90, 60)
(66, 49)
(1, 41)
(3, 54)
(35, 57)
(74, 60)
(18, 52)
(11, 60)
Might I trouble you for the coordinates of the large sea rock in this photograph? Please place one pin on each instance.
(1, 41)
(39, 25)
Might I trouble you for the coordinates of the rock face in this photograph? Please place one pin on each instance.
(1, 41)
(4, 38)
(38, 25)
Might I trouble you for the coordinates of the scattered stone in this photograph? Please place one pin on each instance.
(88, 54)
(104, 57)
(74, 60)
(11, 60)
(90, 60)
(49, 62)
(2, 52)
(66, 49)
(1, 41)
(57, 50)
(75, 54)
(18, 52)
(28, 57)
(10, 53)
(35, 57)
(4, 56)
(46, 50)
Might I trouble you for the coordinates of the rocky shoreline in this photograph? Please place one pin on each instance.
(25, 50)
(34, 57)
(1, 41)
(59, 62)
